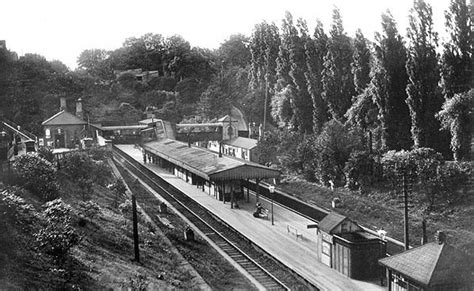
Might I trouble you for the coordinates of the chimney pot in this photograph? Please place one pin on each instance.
(79, 112)
(62, 104)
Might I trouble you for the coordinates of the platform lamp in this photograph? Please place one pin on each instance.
(271, 188)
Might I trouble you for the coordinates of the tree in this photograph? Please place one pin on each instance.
(455, 116)
(360, 62)
(37, 175)
(301, 103)
(388, 81)
(315, 50)
(264, 46)
(456, 61)
(235, 51)
(424, 98)
(338, 85)
(95, 62)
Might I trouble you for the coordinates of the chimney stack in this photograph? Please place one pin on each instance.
(62, 104)
(79, 112)
(440, 237)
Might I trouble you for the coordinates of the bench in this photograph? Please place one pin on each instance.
(293, 230)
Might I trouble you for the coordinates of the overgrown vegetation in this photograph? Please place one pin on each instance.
(78, 241)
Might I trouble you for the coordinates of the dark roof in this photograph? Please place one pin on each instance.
(123, 127)
(208, 164)
(64, 118)
(331, 221)
(242, 142)
(431, 264)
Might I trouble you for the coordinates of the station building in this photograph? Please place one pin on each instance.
(218, 175)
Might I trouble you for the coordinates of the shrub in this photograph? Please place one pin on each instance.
(99, 153)
(14, 209)
(359, 170)
(333, 147)
(58, 236)
(89, 209)
(37, 175)
(423, 169)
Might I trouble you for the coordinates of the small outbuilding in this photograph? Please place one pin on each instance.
(433, 266)
(343, 245)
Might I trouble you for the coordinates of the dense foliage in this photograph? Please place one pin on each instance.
(37, 175)
(329, 102)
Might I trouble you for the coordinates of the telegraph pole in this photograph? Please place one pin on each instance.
(405, 220)
(135, 229)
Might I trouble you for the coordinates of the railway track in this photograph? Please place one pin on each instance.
(265, 269)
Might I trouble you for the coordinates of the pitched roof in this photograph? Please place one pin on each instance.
(431, 264)
(242, 142)
(63, 118)
(208, 164)
(331, 221)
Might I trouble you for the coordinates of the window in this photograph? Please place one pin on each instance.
(47, 133)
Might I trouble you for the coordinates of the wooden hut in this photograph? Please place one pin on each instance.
(343, 245)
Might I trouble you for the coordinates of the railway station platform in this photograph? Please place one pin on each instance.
(289, 239)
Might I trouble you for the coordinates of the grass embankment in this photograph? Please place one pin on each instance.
(381, 209)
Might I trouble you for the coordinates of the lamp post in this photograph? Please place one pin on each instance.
(271, 188)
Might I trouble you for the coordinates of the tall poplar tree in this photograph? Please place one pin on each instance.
(389, 80)
(424, 98)
(284, 89)
(456, 61)
(338, 85)
(301, 103)
(316, 49)
(361, 62)
(264, 46)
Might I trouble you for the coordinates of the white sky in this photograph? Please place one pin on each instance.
(62, 29)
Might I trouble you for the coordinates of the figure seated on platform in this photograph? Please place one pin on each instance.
(260, 212)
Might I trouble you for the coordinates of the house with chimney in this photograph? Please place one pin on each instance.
(433, 266)
(65, 129)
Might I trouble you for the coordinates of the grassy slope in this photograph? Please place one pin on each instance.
(382, 210)
(102, 260)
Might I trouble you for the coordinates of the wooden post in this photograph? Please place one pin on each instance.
(248, 196)
(223, 192)
(405, 198)
(257, 192)
(232, 198)
(135, 229)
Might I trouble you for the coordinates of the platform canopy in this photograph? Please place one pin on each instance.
(207, 164)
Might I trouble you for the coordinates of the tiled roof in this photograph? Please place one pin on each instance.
(431, 264)
(331, 221)
(63, 118)
(206, 163)
(242, 142)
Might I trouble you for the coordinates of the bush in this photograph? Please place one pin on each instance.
(15, 210)
(423, 169)
(359, 170)
(99, 153)
(58, 236)
(37, 175)
(333, 148)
